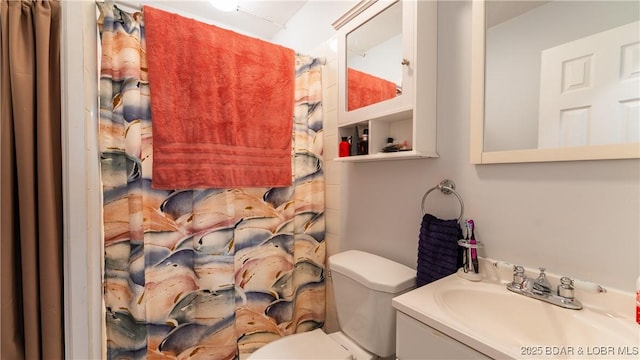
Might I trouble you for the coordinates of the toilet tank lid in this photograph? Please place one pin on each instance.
(373, 271)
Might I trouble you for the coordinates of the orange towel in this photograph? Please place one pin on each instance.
(221, 105)
(364, 89)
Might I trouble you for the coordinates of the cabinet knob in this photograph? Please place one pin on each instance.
(405, 62)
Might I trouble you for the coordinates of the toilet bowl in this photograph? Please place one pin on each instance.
(312, 345)
(364, 285)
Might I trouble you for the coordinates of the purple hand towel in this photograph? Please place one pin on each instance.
(439, 254)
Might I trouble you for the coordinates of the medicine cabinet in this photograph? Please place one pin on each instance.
(387, 78)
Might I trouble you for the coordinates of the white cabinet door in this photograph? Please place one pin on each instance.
(590, 90)
(415, 340)
(411, 116)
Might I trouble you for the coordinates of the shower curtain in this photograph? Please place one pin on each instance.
(202, 273)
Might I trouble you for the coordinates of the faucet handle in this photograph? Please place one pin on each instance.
(519, 278)
(565, 289)
(518, 269)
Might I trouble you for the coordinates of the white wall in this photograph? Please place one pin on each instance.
(81, 183)
(578, 219)
(311, 26)
(333, 170)
(575, 218)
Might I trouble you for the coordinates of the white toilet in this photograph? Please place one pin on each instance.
(364, 285)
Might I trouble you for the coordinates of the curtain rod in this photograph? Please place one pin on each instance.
(128, 5)
(137, 6)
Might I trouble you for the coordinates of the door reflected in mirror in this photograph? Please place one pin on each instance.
(374, 59)
(561, 74)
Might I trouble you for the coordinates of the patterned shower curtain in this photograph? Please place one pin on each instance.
(202, 273)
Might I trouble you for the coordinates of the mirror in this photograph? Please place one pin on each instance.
(373, 59)
(555, 80)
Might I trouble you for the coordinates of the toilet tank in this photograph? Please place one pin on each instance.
(364, 285)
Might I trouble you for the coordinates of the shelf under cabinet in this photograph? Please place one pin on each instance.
(380, 156)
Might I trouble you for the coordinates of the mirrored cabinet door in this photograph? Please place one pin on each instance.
(387, 60)
(570, 92)
(373, 56)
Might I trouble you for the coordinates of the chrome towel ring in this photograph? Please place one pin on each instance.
(446, 187)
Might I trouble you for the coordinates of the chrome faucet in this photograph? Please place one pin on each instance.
(540, 288)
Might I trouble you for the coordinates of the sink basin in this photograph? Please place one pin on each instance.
(501, 324)
(522, 320)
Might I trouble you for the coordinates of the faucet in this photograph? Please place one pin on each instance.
(540, 289)
(541, 286)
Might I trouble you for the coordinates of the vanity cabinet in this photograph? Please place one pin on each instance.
(409, 58)
(415, 340)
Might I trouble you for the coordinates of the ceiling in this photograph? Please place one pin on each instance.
(265, 18)
(501, 11)
(258, 18)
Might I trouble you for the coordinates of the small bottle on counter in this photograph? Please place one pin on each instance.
(344, 148)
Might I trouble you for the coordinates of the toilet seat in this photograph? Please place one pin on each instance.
(309, 345)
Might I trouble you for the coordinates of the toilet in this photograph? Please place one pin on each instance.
(364, 285)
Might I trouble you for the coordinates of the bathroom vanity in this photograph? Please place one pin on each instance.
(454, 318)
(416, 340)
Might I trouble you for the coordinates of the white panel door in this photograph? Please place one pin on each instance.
(590, 90)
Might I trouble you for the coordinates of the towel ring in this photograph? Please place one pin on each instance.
(446, 187)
